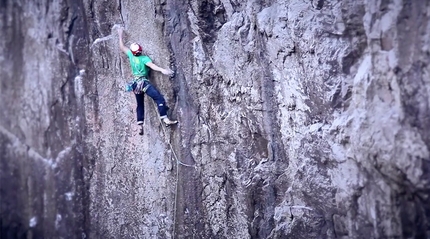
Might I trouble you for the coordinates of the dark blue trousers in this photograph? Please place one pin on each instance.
(158, 98)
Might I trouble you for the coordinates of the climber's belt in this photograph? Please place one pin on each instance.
(141, 85)
(139, 78)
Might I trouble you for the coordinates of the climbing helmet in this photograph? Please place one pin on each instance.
(136, 49)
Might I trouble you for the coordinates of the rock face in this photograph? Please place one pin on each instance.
(44, 157)
(298, 119)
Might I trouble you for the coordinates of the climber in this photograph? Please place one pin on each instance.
(140, 85)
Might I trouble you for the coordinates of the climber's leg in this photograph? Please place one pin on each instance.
(158, 98)
(140, 111)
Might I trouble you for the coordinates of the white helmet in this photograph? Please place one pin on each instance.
(136, 49)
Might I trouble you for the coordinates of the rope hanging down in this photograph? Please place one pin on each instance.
(178, 162)
(170, 144)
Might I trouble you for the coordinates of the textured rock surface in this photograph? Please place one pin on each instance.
(43, 189)
(300, 119)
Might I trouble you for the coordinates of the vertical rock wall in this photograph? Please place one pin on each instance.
(43, 183)
(298, 119)
(133, 184)
(307, 126)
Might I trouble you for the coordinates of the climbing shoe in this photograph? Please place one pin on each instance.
(167, 122)
(141, 130)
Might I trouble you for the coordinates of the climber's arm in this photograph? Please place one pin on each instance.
(121, 43)
(157, 68)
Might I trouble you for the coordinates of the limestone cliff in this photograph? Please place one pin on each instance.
(298, 119)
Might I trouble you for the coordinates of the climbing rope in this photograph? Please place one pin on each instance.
(170, 144)
(178, 162)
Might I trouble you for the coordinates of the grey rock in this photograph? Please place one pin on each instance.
(297, 119)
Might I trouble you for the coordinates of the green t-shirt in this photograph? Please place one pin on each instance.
(138, 64)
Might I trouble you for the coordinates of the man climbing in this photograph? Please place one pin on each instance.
(140, 65)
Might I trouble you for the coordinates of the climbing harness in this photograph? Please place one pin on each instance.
(142, 84)
(138, 85)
